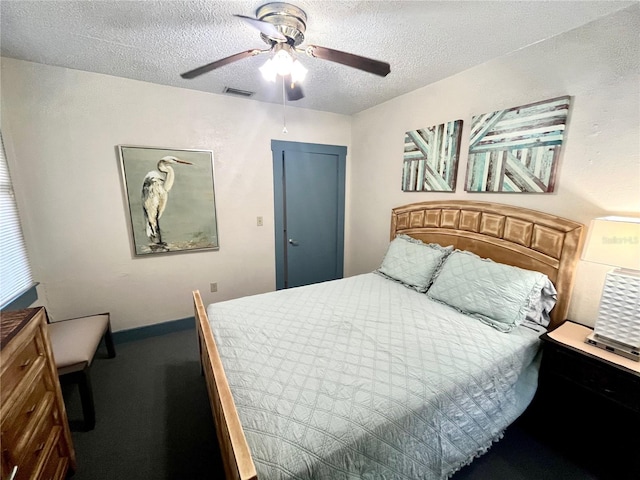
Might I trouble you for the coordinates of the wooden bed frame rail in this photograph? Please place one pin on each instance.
(234, 449)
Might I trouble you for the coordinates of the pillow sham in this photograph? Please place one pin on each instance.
(541, 305)
(412, 262)
(499, 295)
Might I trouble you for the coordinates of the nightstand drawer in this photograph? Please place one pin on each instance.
(594, 375)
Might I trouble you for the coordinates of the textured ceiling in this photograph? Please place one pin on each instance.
(155, 41)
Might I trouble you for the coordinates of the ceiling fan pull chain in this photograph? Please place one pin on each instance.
(284, 108)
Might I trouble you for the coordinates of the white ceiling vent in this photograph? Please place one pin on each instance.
(238, 92)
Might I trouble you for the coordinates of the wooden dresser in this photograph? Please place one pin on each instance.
(35, 432)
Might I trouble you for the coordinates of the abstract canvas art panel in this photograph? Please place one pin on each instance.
(431, 158)
(170, 198)
(517, 150)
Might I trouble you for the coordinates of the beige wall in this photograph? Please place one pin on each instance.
(600, 168)
(62, 127)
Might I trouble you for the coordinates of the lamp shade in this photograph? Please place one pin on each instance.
(614, 241)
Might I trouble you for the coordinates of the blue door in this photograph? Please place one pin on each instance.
(309, 183)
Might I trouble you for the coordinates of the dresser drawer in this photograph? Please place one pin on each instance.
(596, 376)
(32, 449)
(18, 422)
(19, 365)
(46, 463)
(56, 465)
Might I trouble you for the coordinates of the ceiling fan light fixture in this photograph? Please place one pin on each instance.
(268, 71)
(298, 72)
(282, 61)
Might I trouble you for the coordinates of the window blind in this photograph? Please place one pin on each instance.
(15, 271)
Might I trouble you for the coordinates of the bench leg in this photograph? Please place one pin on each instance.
(86, 398)
(108, 341)
(83, 380)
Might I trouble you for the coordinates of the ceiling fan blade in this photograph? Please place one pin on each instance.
(268, 29)
(356, 61)
(294, 91)
(219, 63)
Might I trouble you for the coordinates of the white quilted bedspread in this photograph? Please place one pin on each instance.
(365, 378)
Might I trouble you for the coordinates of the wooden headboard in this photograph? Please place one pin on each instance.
(512, 235)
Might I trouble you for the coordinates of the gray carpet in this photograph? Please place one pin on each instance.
(153, 422)
(152, 414)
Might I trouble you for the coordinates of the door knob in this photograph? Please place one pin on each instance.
(293, 242)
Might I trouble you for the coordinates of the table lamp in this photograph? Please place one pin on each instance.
(615, 241)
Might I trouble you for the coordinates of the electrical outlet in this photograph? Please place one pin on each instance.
(259, 221)
(214, 287)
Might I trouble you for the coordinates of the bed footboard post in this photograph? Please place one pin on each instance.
(236, 456)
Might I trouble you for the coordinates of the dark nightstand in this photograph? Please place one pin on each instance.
(588, 402)
(612, 377)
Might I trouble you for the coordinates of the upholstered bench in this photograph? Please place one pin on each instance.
(74, 343)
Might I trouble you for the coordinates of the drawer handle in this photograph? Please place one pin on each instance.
(26, 363)
(32, 409)
(14, 472)
(39, 448)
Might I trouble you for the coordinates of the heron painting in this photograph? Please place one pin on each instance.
(155, 193)
(170, 198)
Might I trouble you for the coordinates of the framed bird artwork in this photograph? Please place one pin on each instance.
(170, 197)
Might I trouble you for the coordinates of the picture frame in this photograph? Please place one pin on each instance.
(517, 150)
(170, 198)
(430, 160)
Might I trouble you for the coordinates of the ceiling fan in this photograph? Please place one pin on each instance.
(282, 27)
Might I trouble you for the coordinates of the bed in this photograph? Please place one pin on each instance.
(384, 376)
